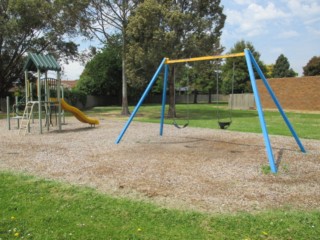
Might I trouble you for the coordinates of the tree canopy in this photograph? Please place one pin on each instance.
(313, 67)
(282, 68)
(174, 29)
(102, 74)
(36, 26)
(241, 76)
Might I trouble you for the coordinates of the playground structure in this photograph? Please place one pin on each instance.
(251, 64)
(49, 97)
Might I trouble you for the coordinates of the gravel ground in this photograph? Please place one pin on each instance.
(196, 169)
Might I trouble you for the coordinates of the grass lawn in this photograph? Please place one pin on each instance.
(32, 208)
(205, 116)
(306, 125)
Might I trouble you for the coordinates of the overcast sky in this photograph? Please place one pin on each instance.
(289, 27)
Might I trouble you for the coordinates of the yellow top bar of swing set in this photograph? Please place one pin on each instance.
(206, 58)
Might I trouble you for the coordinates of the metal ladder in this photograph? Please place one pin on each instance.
(26, 117)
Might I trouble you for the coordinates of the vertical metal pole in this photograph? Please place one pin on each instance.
(31, 92)
(62, 111)
(260, 112)
(31, 99)
(164, 95)
(27, 87)
(45, 86)
(8, 112)
(154, 78)
(59, 99)
(277, 103)
(46, 100)
(39, 101)
(16, 100)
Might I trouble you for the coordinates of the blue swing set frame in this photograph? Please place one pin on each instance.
(251, 64)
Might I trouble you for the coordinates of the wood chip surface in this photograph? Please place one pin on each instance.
(206, 170)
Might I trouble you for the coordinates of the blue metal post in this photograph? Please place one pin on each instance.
(164, 95)
(275, 100)
(260, 112)
(154, 78)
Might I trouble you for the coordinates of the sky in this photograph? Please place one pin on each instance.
(288, 27)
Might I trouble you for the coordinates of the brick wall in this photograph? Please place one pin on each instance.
(299, 93)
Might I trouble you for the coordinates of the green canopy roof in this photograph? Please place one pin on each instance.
(41, 62)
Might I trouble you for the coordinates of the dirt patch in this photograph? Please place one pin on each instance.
(199, 169)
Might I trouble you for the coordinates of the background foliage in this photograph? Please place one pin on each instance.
(102, 74)
(241, 77)
(36, 26)
(282, 68)
(313, 67)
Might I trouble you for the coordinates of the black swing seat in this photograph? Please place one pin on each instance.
(224, 125)
(182, 126)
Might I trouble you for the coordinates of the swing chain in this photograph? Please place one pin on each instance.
(225, 124)
(187, 89)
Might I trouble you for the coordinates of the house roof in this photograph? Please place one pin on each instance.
(41, 62)
(68, 83)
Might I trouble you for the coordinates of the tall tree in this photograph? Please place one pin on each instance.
(282, 68)
(106, 17)
(241, 76)
(174, 29)
(102, 74)
(313, 67)
(37, 26)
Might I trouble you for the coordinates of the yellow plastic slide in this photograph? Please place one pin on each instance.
(78, 114)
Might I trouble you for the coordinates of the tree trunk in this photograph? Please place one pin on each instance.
(172, 106)
(0, 102)
(210, 98)
(195, 96)
(125, 109)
